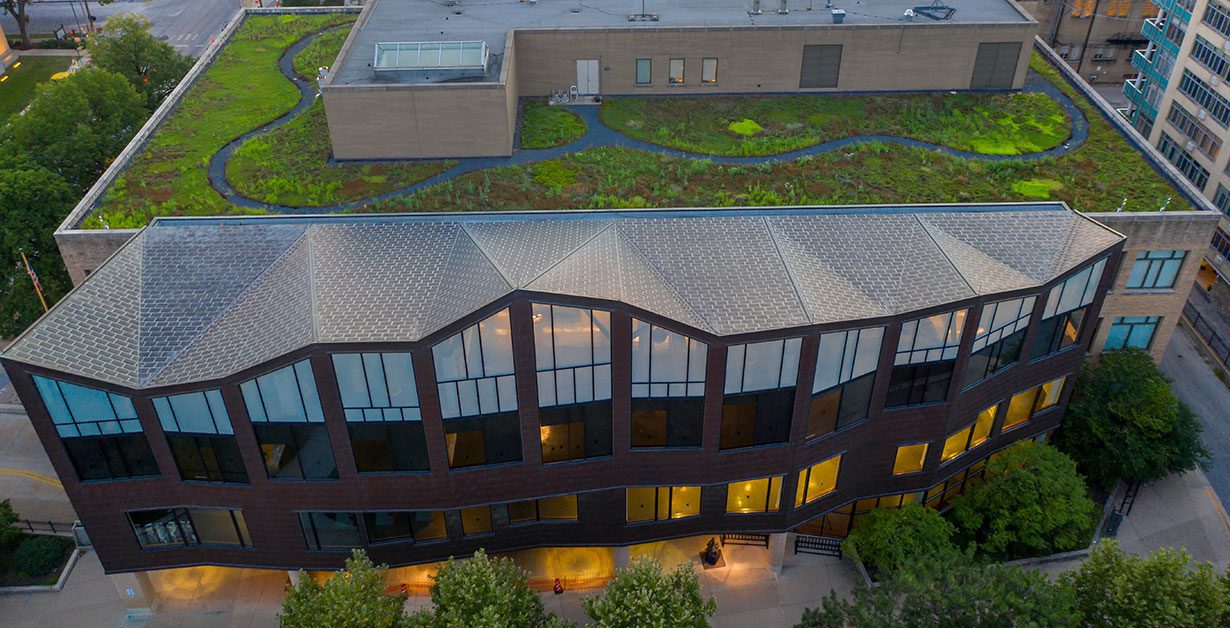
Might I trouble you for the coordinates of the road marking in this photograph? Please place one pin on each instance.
(32, 475)
(1220, 510)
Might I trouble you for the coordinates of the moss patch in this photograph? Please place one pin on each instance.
(745, 127)
(545, 126)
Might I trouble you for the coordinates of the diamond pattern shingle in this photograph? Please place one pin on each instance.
(192, 300)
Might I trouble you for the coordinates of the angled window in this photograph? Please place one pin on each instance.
(668, 387)
(330, 530)
(972, 436)
(1025, 405)
(910, 458)
(198, 430)
(926, 353)
(476, 521)
(99, 430)
(478, 394)
(761, 379)
(1064, 315)
(754, 496)
(560, 508)
(286, 416)
(941, 495)
(1001, 332)
(845, 376)
(1131, 332)
(1156, 269)
(404, 525)
(659, 503)
(816, 481)
(381, 405)
(185, 527)
(572, 349)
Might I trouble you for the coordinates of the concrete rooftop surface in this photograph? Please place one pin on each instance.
(491, 20)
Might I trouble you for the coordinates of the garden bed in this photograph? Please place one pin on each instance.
(34, 560)
(544, 126)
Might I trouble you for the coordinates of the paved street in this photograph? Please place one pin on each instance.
(1197, 385)
(185, 24)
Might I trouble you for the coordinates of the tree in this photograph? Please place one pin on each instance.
(1112, 588)
(126, 47)
(1125, 423)
(1031, 502)
(33, 202)
(948, 589)
(17, 9)
(353, 597)
(483, 593)
(8, 518)
(887, 537)
(642, 595)
(76, 126)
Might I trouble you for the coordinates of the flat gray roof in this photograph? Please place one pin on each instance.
(490, 20)
(191, 299)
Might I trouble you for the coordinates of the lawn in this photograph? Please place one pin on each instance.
(17, 90)
(544, 126)
(289, 166)
(243, 90)
(993, 124)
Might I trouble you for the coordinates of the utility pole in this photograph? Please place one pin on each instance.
(1085, 46)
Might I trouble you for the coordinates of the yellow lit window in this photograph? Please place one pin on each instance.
(817, 481)
(429, 526)
(982, 427)
(1019, 408)
(658, 503)
(676, 71)
(1049, 396)
(476, 520)
(561, 508)
(763, 495)
(954, 445)
(910, 458)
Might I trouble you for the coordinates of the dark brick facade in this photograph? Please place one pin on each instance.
(270, 506)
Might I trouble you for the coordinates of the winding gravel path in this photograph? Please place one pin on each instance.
(599, 135)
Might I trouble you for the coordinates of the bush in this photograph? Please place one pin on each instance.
(484, 592)
(642, 595)
(886, 538)
(1031, 502)
(355, 597)
(39, 555)
(1125, 423)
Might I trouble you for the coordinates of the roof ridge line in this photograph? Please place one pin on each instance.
(583, 244)
(947, 258)
(794, 284)
(662, 276)
(508, 280)
(436, 279)
(141, 382)
(309, 235)
(796, 249)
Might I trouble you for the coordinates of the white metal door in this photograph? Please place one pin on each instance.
(587, 76)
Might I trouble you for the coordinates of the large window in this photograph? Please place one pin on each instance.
(201, 438)
(1025, 405)
(1131, 332)
(708, 71)
(941, 495)
(910, 458)
(1156, 269)
(286, 416)
(478, 394)
(1064, 316)
(659, 503)
(754, 496)
(761, 378)
(926, 352)
(346, 530)
(845, 376)
(572, 349)
(816, 481)
(839, 521)
(1204, 139)
(476, 521)
(1203, 95)
(99, 430)
(676, 72)
(1001, 332)
(972, 436)
(644, 73)
(1217, 16)
(668, 387)
(183, 527)
(560, 508)
(382, 411)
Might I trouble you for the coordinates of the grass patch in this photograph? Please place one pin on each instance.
(45, 556)
(18, 90)
(993, 124)
(544, 126)
(289, 166)
(1036, 188)
(320, 53)
(241, 91)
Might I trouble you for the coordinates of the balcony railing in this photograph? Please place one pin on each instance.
(1139, 61)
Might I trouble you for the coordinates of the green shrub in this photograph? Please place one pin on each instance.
(886, 538)
(39, 555)
(544, 126)
(745, 127)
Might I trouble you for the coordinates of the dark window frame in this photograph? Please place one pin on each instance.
(179, 441)
(489, 427)
(395, 433)
(842, 419)
(181, 514)
(1050, 337)
(298, 438)
(588, 416)
(920, 385)
(681, 429)
(764, 403)
(110, 450)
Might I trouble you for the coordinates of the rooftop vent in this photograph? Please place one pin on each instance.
(431, 55)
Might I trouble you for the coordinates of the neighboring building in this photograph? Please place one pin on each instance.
(1180, 102)
(419, 78)
(7, 55)
(1096, 37)
(272, 391)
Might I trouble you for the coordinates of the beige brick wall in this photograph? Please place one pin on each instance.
(85, 250)
(1188, 231)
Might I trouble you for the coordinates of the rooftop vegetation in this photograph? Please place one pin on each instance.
(544, 126)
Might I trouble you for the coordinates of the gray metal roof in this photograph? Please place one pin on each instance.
(491, 20)
(196, 299)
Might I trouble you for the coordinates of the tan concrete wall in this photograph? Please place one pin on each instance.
(1188, 231)
(913, 57)
(85, 250)
(1071, 34)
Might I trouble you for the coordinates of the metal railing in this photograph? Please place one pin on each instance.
(821, 545)
(54, 527)
(759, 540)
(1218, 346)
